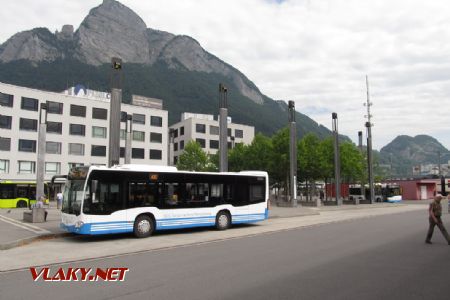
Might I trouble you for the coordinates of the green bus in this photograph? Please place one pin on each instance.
(19, 194)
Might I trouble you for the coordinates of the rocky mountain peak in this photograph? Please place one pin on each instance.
(112, 29)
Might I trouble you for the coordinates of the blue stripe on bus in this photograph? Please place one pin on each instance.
(162, 224)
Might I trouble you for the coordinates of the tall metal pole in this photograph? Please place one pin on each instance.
(439, 163)
(223, 128)
(337, 163)
(360, 139)
(170, 159)
(293, 154)
(360, 146)
(129, 132)
(369, 145)
(114, 112)
(40, 168)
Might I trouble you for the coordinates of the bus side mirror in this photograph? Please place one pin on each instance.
(94, 185)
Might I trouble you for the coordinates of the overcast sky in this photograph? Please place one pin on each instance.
(315, 52)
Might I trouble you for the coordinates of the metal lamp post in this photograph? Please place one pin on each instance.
(223, 128)
(337, 162)
(293, 154)
(40, 168)
(114, 112)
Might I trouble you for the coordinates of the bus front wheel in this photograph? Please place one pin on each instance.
(143, 226)
(22, 204)
(223, 220)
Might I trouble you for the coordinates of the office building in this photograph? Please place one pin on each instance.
(77, 130)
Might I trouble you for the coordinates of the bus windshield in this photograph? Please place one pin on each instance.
(73, 196)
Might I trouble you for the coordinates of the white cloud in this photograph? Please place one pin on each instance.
(316, 52)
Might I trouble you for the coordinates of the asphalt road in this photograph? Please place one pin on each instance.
(382, 257)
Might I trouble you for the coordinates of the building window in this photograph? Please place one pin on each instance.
(5, 144)
(28, 124)
(175, 146)
(202, 142)
(73, 165)
(4, 166)
(175, 133)
(181, 130)
(138, 136)
(155, 137)
(99, 113)
(6, 100)
(123, 134)
(5, 122)
(239, 133)
(27, 145)
(27, 167)
(54, 127)
(138, 119)
(214, 130)
(29, 104)
(181, 145)
(54, 107)
(53, 147)
(76, 149)
(156, 121)
(98, 132)
(155, 154)
(122, 152)
(200, 128)
(77, 129)
(137, 153)
(213, 144)
(97, 150)
(77, 110)
(123, 116)
(52, 168)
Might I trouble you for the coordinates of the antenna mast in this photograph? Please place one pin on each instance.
(369, 144)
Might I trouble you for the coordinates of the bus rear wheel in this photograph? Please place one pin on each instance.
(223, 220)
(21, 204)
(143, 226)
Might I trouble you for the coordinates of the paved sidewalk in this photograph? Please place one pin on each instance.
(15, 232)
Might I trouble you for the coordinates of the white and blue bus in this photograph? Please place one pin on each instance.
(144, 198)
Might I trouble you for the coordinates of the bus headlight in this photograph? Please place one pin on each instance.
(79, 224)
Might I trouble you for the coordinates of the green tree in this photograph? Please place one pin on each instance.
(237, 158)
(352, 163)
(259, 154)
(193, 158)
(308, 157)
(279, 165)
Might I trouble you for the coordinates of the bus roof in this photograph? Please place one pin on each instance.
(153, 168)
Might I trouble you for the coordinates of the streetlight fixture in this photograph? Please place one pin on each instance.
(337, 163)
(40, 168)
(223, 128)
(293, 154)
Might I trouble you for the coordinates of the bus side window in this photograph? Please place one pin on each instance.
(256, 193)
(32, 192)
(22, 191)
(7, 191)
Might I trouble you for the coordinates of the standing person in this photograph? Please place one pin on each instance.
(435, 212)
(59, 198)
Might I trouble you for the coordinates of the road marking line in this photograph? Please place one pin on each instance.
(28, 227)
